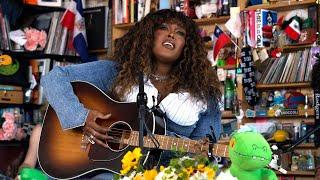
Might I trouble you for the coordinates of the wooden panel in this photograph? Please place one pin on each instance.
(283, 5)
(284, 85)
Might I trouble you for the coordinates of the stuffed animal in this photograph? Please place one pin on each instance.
(31, 174)
(250, 155)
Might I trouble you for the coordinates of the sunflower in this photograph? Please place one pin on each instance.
(150, 174)
(211, 173)
(130, 160)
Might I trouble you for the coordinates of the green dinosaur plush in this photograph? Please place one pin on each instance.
(31, 174)
(250, 153)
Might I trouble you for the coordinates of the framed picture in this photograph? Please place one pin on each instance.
(55, 3)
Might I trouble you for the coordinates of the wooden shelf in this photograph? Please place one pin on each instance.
(302, 145)
(301, 114)
(212, 20)
(298, 173)
(98, 51)
(296, 47)
(284, 85)
(227, 114)
(306, 145)
(200, 22)
(283, 5)
(41, 55)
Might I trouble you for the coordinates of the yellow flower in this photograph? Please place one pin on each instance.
(201, 167)
(188, 170)
(130, 160)
(138, 177)
(210, 173)
(125, 170)
(162, 168)
(150, 174)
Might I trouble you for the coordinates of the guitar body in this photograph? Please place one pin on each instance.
(60, 154)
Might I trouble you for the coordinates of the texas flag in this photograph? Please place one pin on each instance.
(222, 40)
(73, 20)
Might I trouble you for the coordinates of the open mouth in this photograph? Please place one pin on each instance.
(168, 45)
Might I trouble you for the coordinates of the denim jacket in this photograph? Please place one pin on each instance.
(72, 113)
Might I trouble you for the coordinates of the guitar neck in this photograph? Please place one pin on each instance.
(176, 144)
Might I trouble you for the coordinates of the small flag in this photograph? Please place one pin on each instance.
(222, 40)
(234, 26)
(234, 23)
(73, 20)
(293, 30)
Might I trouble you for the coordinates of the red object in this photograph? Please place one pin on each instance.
(276, 53)
(293, 30)
(68, 19)
(280, 21)
(32, 2)
(223, 40)
(231, 61)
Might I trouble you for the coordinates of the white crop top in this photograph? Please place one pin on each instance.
(181, 108)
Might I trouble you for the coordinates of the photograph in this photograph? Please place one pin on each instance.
(55, 3)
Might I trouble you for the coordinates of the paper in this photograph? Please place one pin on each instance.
(18, 36)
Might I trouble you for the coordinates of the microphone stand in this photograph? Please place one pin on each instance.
(142, 108)
(300, 140)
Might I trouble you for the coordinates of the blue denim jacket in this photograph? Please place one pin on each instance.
(72, 113)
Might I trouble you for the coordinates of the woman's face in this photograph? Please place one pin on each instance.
(169, 41)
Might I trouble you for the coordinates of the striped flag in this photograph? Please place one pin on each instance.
(73, 21)
(222, 40)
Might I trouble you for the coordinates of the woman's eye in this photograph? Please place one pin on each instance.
(163, 27)
(181, 33)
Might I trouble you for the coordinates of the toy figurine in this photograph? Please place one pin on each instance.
(249, 153)
(31, 174)
(274, 162)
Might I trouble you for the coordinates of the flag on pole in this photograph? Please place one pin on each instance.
(234, 23)
(222, 40)
(73, 21)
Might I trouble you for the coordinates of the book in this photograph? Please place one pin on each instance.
(263, 18)
(37, 69)
(96, 20)
(51, 33)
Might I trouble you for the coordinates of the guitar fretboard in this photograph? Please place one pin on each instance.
(176, 144)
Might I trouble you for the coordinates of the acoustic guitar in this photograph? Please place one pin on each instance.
(60, 154)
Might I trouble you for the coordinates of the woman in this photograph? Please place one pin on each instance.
(166, 46)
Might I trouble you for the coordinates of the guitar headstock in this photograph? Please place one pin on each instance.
(5, 60)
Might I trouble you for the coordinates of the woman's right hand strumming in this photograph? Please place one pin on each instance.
(94, 132)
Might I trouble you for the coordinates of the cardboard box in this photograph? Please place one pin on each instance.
(11, 97)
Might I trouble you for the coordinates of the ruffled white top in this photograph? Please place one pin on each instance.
(180, 107)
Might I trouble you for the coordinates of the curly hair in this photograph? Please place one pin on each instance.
(192, 72)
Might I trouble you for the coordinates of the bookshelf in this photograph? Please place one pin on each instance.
(284, 7)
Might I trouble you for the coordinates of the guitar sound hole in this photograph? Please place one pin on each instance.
(119, 132)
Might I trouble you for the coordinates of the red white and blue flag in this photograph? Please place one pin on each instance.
(222, 40)
(73, 20)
